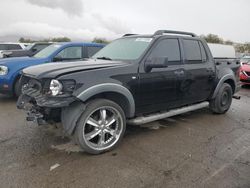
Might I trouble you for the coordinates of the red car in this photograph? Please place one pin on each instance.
(245, 70)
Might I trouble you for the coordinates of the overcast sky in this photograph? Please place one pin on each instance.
(86, 19)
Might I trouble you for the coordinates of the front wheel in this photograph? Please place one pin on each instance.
(101, 126)
(223, 100)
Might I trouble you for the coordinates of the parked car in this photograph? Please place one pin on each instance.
(135, 79)
(245, 70)
(29, 51)
(10, 67)
(245, 60)
(11, 46)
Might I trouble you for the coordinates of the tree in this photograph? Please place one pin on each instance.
(243, 48)
(61, 39)
(228, 42)
(100, 40)
(23, 40)
(212, 38)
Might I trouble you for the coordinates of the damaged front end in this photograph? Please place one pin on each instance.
(34, 112)
(36, 99)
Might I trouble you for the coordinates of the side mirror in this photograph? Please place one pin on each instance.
(57, 58)
(156, 62)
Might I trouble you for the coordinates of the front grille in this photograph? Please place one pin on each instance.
(245, 81)
(248, 73)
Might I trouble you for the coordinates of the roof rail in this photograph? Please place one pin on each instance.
(161, 32)
(129, 34)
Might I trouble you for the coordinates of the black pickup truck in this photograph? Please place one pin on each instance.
(136, 79)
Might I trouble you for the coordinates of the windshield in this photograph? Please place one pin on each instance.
(124, 49)
(47, 51)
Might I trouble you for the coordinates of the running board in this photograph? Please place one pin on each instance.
(162, 115)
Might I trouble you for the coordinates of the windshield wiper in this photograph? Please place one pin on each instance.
(104, 58)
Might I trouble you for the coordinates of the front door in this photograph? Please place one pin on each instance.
(159, 87)
(72, 53)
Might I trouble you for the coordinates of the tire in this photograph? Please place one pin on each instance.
(101, 127)
(223, 100)
(17, 89)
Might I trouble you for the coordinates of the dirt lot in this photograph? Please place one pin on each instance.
(197, 149)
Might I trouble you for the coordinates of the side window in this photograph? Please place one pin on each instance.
(92, 50)
(3, 47)
(193, 51)
(70, 53)
(14, 47)
(168, 48)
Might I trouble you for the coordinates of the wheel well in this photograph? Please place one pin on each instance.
(14, 83)
(118, 98)
(231, 83)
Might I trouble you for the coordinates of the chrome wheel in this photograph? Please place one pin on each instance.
(102, 128)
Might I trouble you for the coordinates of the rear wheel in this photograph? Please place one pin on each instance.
(223, 100)
(101, 126)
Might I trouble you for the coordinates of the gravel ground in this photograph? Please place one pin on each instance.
(197, 149)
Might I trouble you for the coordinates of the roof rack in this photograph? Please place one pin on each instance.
(129, 34)
(161, 32)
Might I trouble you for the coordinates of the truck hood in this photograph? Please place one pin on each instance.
(53, 70)
(17, 61)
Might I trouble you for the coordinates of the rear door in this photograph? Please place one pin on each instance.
(159, 87)
(199, 70)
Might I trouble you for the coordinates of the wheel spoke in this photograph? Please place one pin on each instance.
(111, 121)
(103, 115)
(93, 122)
(101, 140)
(111, 132)
(92, 134)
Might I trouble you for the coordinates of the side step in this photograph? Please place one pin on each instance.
(162, 115)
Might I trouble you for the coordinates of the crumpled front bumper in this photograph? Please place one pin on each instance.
(40, 108)
(33, 112)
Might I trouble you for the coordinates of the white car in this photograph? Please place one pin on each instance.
(5, 46)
